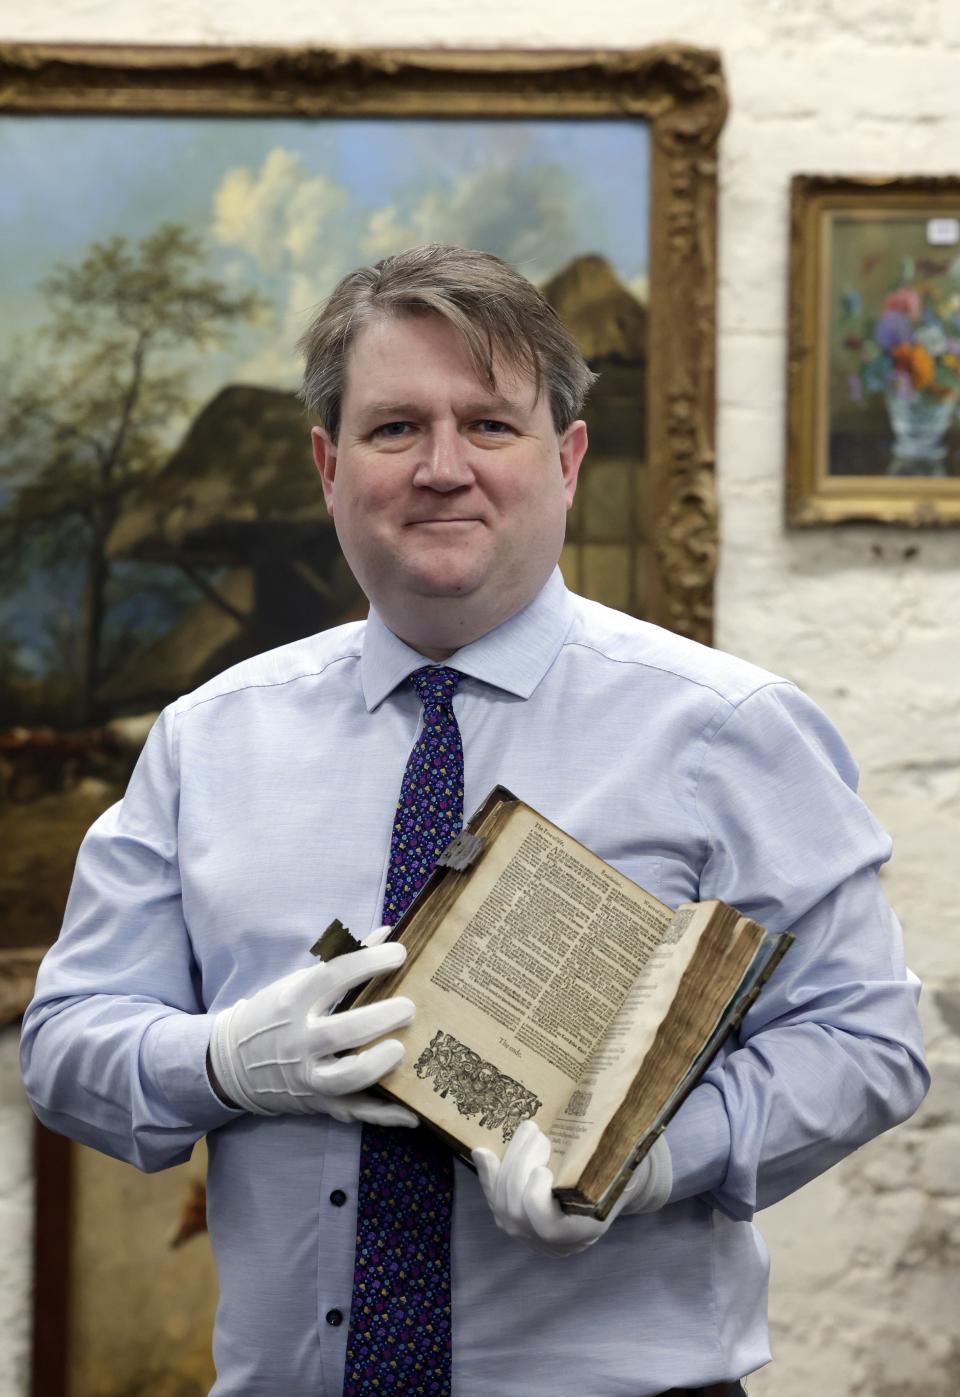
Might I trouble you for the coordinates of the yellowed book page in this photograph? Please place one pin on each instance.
(612, 1067)
(517, 987)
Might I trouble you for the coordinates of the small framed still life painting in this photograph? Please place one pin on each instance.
(873, 428)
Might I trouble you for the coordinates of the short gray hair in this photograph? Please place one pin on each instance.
(498, 312)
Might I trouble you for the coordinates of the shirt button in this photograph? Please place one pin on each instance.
(334, 1317)
(338, 1198)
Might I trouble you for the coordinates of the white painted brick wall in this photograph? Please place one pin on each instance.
(866, 1261)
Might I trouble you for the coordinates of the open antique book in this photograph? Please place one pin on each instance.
(548, 985)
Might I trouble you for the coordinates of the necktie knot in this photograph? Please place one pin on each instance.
(435, 684)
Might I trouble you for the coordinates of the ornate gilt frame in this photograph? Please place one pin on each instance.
(678, 90)
(813, 497)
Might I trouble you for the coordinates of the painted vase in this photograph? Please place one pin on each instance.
(919, 423)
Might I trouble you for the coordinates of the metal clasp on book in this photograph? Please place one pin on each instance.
(461, 853)
(335, 941)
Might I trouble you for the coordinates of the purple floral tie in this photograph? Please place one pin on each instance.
(399, 1339)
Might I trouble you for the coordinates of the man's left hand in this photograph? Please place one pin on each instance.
(519, 1189)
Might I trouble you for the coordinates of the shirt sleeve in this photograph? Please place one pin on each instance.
(831, 1054)
(114, 1043)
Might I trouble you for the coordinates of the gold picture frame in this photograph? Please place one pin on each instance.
(873, 414)
(678, 92)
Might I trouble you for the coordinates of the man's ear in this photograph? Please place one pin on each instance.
(573, 448)
(325, 459)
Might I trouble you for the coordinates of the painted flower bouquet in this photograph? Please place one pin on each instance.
(909, 353)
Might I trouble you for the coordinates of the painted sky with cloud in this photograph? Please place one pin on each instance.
(289, 206)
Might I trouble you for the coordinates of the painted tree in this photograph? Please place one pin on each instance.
(87, 420)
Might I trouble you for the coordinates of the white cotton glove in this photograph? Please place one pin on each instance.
(519, 1191)
(275, 1053)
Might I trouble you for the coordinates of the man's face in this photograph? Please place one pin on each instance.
(449, 498)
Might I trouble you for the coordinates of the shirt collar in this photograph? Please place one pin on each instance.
(514, 657)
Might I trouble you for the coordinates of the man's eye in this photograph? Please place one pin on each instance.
(492, 427)
(392, 429)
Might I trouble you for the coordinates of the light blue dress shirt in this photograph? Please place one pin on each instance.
(261, 809)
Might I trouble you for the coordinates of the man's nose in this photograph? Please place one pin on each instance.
(445, 460)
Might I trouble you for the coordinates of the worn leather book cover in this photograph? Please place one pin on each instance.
(549, 986)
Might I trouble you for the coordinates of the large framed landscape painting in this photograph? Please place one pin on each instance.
(874, 362)
(171, 220)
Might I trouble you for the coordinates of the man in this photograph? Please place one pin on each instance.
(180, 1001)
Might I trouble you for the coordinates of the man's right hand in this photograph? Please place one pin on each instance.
(275, 1054)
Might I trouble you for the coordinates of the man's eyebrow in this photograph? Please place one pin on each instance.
(390, 410)
(483, 407)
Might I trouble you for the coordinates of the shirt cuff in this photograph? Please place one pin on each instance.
(174, 1061)
(699, 1140)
